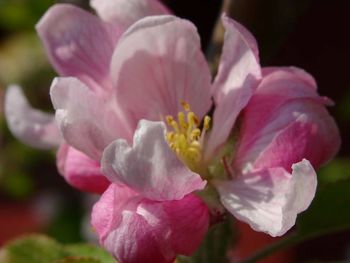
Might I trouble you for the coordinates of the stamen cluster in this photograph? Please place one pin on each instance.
(186, 138)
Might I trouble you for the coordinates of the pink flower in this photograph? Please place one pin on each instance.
(150, 215)
(266, 179)
(284, 123)
(78, 44)
(114, 108)
(156, 65)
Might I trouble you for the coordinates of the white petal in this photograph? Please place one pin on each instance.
(88, 122)
(33, 127)
(238, 76)
(126, 12)
(269, 200)
(157, 64)
(149, 166)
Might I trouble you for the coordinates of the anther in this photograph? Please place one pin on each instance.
(206, 123)
(185, 105)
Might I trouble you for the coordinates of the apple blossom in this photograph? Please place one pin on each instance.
(264, 179)
(78, 44)
(140, 106)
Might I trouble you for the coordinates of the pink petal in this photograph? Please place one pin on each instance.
(78, 44)
(127, 12)
(33, 127)
(286, 121)
(80, 171)
(107, 212)
(269, 200)
(157, 64)
(88, 122)
(238, 76)
(150, 167)
(134, 229)
(294, 71)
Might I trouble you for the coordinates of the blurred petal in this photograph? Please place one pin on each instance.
(33, 127)
(292, 71)
(238, 76)
(269, 200)
(286, 121)
(132, 228)
(161, 59)
(150, 167)
(88, 122)
(127, 12)
(80, 171)
(78, 44)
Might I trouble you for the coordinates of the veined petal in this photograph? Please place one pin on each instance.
(107, 212)
(33, 127)
(78, 44)
(134, 228)
(270, 199)
(285, 121)
(88, 122)
(150, 167)
(160, 58)
(80, 171)
(127, 12)
(238, 76)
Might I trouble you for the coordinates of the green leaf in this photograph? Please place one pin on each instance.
(37, 248)
(34, 248)
(87, 250)
(328, 213)
(214, 247)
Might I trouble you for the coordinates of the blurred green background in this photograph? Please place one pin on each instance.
(308, 34)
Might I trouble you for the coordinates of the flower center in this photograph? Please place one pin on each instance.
(185, 137)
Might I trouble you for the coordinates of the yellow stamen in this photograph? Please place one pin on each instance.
(206, 123)
(185, 137)
(185, 105)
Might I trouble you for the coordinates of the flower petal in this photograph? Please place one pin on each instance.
(149, 167)
(33, 127)
(161, 60)
(127, 12)
(78, 44)
(133, 228)
(238, 76)
(88, 122)
(286, 121)
(292, 71)
(80, 171)
(269, 200)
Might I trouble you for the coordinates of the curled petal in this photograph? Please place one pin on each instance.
(298, 73)
(78, 44)
(33, 127)
(127, 12)
(80, 171)
(133, 228)
(269, 200)
(161, 59)
(238, 76)
(88, 122)
(150, 167)
(286, 121)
